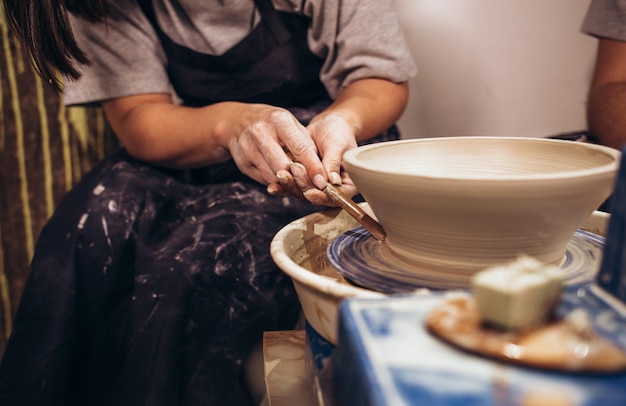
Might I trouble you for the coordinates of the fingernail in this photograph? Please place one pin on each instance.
(273, 189)
(335, 179)
(296, 170)
(283, 177)
(308, 195)
(319, 181)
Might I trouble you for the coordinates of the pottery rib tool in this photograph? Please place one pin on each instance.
(335, 194)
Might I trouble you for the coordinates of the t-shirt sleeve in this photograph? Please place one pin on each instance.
(358, 39)
(126, 57)
(606, 19)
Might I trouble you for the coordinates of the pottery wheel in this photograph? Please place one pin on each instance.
(369, 263)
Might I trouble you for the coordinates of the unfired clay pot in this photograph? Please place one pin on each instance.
(456, 205)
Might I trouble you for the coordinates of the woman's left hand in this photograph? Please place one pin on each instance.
(362, 110)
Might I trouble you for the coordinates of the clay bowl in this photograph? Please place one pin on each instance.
(457, 205)
(299, 249)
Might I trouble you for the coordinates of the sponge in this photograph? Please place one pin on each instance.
(519, 295)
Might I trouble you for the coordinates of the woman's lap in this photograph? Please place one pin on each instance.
(151, 287)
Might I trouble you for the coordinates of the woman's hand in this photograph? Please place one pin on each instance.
(255, 136)
(154, 129)
(275, 149)
(362, 110)
(332, 136)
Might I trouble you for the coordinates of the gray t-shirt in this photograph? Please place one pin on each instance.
(356, 38)
(606, 19)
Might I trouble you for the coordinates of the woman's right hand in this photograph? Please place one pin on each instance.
(255, 136)
(270, 140)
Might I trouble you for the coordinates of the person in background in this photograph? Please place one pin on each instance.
(153, 280)
(606, 104)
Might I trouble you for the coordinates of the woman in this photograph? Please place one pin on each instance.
(153, 280)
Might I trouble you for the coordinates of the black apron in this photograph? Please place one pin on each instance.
(272, 65)
(150, 286)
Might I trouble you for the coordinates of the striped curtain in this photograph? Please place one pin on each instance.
(44, 149)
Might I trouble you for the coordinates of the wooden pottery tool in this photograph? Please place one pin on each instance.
(338, 196)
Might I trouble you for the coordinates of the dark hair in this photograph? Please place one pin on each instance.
(44, 27)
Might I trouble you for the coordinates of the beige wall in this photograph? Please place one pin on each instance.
(496, 67)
